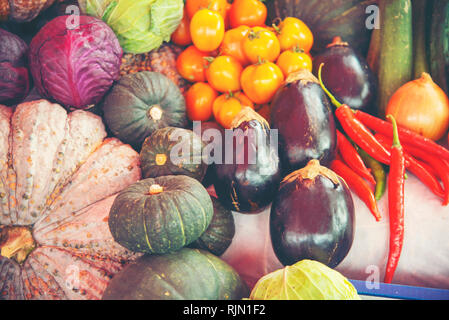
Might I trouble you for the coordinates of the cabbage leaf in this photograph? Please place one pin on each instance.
(305, 280)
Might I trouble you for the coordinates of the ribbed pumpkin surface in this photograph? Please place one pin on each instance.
(59, 177)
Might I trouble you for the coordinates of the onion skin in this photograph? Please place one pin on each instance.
(422, 106)
(312, 217)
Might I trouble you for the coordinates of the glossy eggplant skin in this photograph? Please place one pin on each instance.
(312, 219)
(347, 75)
(301, 112)
(248, 184)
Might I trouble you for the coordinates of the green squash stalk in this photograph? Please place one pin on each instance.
(420, 63)
(396, 56)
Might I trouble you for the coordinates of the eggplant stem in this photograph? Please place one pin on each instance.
(331, 97)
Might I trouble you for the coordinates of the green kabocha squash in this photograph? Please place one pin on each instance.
(160, 215)
(142, 102)
(328, 19)
(188, 274)
(173, 151)
(218, 237)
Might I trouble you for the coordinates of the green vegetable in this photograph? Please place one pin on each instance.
(218, 236)
(378, 171)
(396, 54)
(374, 51)
(420, 63)
(188, 274)
(439, 44)
(140, 25)
(160, 215)
(305, 280)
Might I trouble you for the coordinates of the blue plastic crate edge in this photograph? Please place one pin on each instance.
(397, 291)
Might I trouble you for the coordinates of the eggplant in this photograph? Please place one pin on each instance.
(301, 112)
(347, 75)
(312, 217)
(249, 174)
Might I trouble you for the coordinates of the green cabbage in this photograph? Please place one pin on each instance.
(305, 280)
(140, 25)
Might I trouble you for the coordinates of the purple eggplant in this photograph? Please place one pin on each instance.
(249, 175)
(347, 75)
(301, 112)
(312, 217)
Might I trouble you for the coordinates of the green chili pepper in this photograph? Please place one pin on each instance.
(378, 172)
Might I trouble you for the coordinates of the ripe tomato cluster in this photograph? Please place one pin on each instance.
(234, 59)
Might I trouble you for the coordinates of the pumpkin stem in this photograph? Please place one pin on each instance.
(155, 189)
(161, 159)
(155, 112)
(16, 243)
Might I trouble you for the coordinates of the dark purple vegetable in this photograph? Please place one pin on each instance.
(312, 217)
(212, 135)
(249, 175)
(301, 113)
(14, 75)
(75, 66)
(347, 75)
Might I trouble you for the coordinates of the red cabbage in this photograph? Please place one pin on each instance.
(14, 76)
(75, 66)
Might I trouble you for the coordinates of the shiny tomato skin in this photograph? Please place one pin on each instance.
(191, 64)
(249, 13)
(207, 30)
(232, 44)
(223, 74)
(261, 81)
(199, 101)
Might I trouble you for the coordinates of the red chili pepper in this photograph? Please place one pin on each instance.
(356, 130)
(358, 185)
(418, 169)
(440, 165)
(352, 158)
(395, 204)
(407, 136)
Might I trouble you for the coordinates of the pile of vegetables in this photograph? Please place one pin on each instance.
(128, 188)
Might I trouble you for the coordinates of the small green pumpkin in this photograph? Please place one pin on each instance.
(160, 215)
(142, 102)
(218, 237)
(188, 274)
(173, 151)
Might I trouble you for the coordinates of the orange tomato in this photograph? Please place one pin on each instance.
(191, 64)
(261, 44)
(207, 30)
(192, 6)
(232, 44)
(223, 74)
(294, 60)
(226, 17)
(292, 33)
(227, 106)
(250, 13)
(181, 36)
(261, 81)
(199, 100)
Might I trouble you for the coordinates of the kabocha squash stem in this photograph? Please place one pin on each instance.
(396, 55)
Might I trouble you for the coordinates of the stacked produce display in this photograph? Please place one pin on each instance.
(137, 137)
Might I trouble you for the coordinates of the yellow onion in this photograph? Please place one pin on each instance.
(422, 106)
